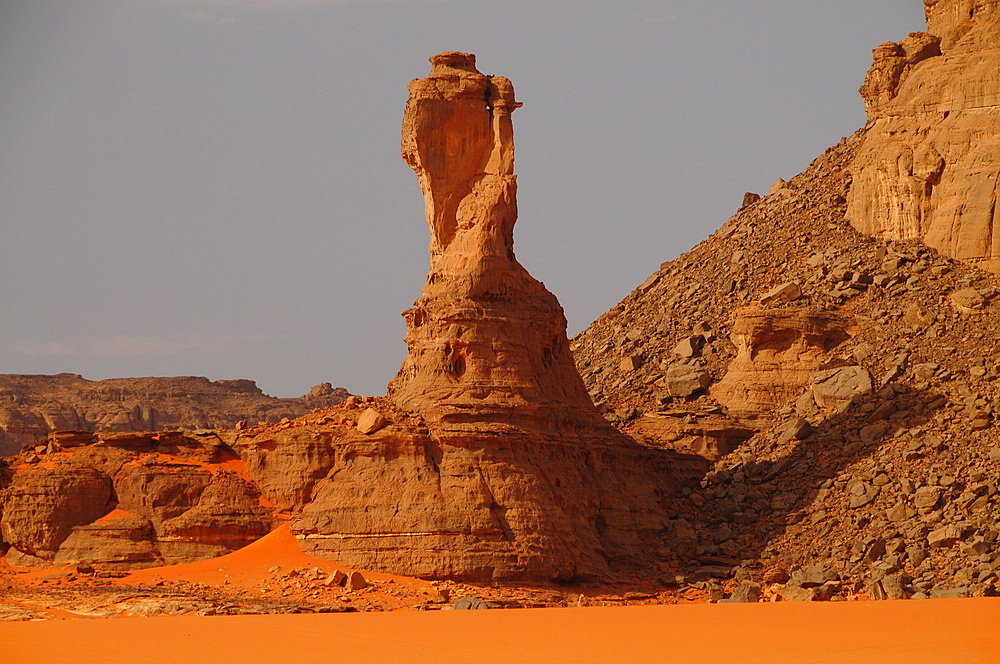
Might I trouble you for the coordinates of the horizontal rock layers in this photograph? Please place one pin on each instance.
(493, 463)
(33, 406)
(121, 501)
(777, 352)
(929, 166)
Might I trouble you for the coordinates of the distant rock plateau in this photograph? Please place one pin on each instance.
(31, 406)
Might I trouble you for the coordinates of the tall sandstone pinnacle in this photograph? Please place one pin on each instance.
(488, 460)
(929, 167)
(484, 334)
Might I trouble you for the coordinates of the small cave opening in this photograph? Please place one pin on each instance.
(455, 361)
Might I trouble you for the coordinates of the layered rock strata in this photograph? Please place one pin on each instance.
(491, 462)
(777, 353)
(33, 406)
(126, 500)
(929, 166)
(484, 334)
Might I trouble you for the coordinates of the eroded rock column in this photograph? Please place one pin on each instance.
(484, 333)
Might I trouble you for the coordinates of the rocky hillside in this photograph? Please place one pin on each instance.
(32, 406)
(845, 387)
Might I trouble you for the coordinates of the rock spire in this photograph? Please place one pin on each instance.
(484, 334)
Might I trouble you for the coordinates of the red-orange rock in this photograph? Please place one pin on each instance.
(117, 503)
(493, 463)
(43, 504)
(777, 352)
(484, 334)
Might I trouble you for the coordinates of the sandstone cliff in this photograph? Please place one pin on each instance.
(929, 165)
(33, 406)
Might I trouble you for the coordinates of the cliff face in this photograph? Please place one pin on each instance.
(128, 500)
(33, 406)
(929, 166)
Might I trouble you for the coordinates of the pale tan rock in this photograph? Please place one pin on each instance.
(929, 166)
(684, 380)
(838, 388)
(968, 300)
(371, 421)
(689, 347)
(778, 186)
(777, 352)
(786, 292)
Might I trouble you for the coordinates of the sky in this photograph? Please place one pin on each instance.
(214, 187)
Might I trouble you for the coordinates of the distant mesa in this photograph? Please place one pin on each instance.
(32, 406)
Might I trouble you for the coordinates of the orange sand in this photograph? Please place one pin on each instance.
(914, 631)
(249, 566)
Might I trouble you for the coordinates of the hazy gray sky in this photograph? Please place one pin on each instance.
(214, 187)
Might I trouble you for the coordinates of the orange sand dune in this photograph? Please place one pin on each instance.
(248, 566)
(915, 632)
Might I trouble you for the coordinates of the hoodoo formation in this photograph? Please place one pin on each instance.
(487, 459)
(484, 335)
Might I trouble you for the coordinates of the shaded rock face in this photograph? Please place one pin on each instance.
(777, 352)
(124, 501)
(33, 406)
(929, 166)
(489, 461)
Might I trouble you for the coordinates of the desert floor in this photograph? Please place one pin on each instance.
(66, 617)
(960, 630)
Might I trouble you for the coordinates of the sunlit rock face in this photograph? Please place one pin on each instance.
(489, 462)
(484, 334)
(930, 164)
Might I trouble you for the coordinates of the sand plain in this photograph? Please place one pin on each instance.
(914, 632)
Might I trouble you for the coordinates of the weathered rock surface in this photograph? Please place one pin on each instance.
(33, 406)
(929, 165)
(129, 500)
(777, 352)
(881, 464)
(488, 460)
(484, 333)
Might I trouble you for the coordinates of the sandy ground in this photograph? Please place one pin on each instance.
(962, 630)
(397, 620)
